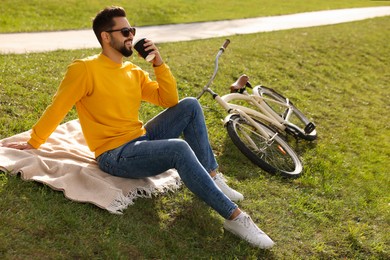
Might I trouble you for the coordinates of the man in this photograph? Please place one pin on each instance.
(108, 92)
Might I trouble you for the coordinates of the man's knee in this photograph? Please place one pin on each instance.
(180, 144)
(190, 103)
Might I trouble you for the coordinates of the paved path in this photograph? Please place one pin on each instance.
(78, 39)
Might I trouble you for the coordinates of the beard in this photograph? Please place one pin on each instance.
(126, 52)
(121, 47)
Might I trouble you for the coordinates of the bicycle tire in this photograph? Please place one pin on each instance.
(298, 121)
(275, 158)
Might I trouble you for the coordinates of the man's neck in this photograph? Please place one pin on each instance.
(113, 55)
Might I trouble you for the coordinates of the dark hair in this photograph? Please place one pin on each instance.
(103, 21)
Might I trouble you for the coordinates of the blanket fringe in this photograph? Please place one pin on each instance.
(123, 201)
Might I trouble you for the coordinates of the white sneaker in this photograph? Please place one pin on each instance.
(244, 227)
(233, 195)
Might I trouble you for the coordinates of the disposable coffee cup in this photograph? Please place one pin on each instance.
(139, 47)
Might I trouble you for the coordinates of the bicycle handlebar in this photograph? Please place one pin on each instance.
(206, 87)
(226, 43)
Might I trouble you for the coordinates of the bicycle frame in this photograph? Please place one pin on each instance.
(266, 114)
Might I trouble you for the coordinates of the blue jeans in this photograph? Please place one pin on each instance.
(162, 149)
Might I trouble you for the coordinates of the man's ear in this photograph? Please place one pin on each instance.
(105, 36)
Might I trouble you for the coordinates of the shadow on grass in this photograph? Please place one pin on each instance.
(188, 227)
(243, 168)
(179, 225)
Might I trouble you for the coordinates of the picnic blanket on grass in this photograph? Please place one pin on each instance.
(65, 163)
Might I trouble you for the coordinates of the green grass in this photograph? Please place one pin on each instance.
(339, 209)
(38, 15)
(339, 75)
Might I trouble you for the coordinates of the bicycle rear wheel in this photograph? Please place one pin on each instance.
(275, 156)
(299, 125)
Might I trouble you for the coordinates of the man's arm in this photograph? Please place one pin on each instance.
(163, 91)
(71, 89)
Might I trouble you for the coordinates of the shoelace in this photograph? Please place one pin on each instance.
(247, 222)
(220, 175)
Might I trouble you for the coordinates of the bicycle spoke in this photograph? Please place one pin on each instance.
(270, 152)
(276, 157)
(249, 139)
(270, 149)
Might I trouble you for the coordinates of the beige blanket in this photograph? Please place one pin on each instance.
(66, 164)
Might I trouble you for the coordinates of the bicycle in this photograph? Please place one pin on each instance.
(257, 122)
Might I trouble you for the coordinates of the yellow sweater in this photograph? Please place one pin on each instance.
(108, 96)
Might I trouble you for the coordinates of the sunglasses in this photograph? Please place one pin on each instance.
(125, 31)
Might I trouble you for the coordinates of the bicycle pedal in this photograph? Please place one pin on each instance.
(310, 128)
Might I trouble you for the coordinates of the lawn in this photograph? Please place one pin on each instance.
(38, 15)
(339, 208)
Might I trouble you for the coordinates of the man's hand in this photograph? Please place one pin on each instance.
(149, 45)
(19, 146)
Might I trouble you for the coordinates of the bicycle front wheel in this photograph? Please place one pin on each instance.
(299, 125)
(273, 154)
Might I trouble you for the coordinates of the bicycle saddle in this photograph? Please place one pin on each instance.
(240, 83)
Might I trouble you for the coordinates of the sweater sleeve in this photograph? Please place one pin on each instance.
(72, 88)
(163, 91)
